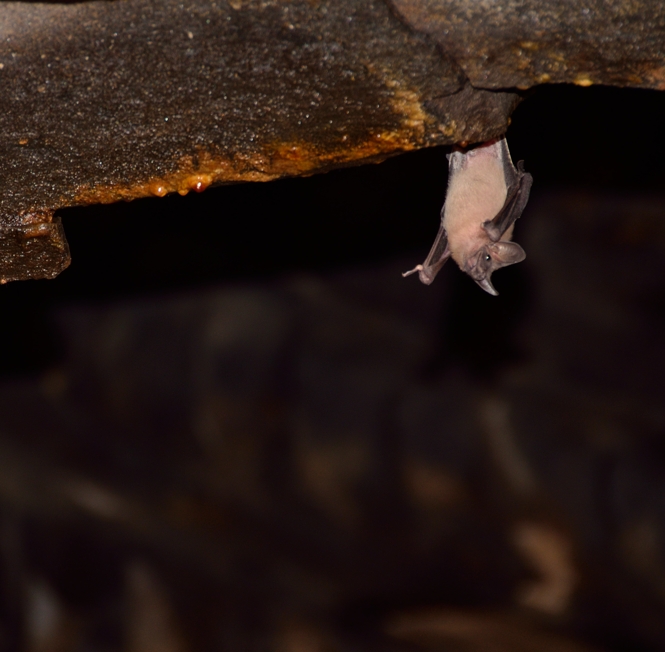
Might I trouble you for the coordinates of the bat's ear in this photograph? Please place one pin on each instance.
(506, 253)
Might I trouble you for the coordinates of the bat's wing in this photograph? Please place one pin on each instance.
(438, 255)
(518, 183)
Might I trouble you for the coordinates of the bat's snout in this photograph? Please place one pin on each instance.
(486, 284)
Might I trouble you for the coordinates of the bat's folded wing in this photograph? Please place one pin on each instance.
(516, 200)
(438, 255)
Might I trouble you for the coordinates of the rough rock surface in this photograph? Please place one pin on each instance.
(105, 101)
(111, 101)
(518, 43)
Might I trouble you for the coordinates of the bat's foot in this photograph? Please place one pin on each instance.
(417, 268)
(422, 274)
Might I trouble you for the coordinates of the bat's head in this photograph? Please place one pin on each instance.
(491, 257)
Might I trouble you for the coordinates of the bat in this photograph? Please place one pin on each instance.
(486, 194)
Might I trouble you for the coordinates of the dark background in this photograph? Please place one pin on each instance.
(569, 137)
(573, 345)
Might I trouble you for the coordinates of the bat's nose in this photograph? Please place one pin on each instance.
(486, 284)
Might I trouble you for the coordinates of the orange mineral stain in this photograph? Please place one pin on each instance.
(199, 182)
(158, 190)
(196, 173)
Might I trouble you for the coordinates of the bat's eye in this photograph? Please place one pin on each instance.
(488, 257)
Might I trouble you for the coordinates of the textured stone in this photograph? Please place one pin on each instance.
(518, 43)
(108, 101)
(112, 101)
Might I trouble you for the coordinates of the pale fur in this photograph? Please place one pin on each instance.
(476, 193)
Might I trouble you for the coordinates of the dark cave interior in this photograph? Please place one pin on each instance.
(329, 523)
